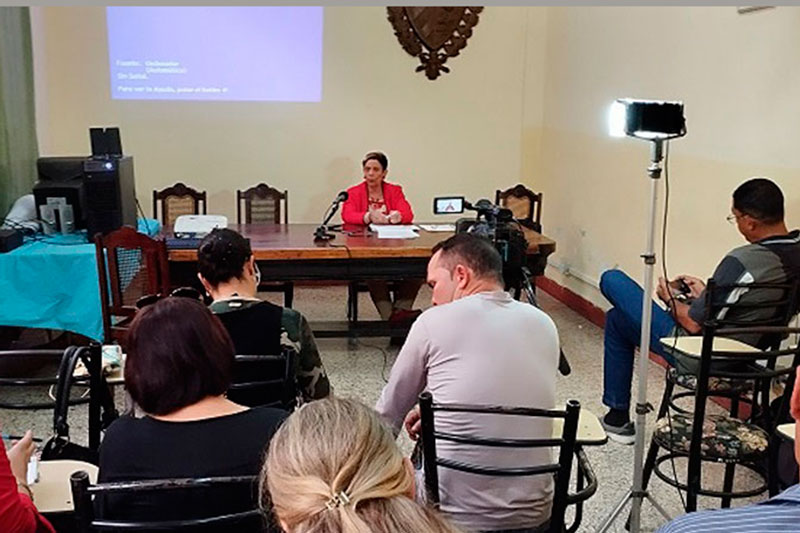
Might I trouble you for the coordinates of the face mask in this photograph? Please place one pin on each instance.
(257, 273)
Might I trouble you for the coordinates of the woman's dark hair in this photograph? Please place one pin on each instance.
(380, 157)
(221, 256)
(473, 251)
(761, 199)
(178, 354)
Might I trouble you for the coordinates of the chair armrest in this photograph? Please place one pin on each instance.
(585, 467)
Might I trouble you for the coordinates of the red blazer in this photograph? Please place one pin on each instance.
(355, 206)
(17, 512)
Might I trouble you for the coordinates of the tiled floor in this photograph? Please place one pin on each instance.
(359, 370)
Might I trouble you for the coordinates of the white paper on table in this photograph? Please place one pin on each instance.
(393, 231)
(436, 228)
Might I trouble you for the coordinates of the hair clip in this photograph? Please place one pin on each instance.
(337, 500)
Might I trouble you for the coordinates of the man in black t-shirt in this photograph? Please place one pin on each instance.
(772, 255)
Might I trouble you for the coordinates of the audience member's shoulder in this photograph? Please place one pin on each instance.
(122, 428)
(292, 316)
(269, 414)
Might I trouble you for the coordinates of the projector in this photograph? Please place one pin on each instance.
(197, 226)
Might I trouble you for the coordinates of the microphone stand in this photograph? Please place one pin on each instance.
(321, 233)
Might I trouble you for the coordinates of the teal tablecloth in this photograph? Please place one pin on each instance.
(52, 282)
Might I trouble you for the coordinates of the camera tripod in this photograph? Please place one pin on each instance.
(527, 286)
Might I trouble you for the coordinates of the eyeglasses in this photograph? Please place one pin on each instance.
(732, 218)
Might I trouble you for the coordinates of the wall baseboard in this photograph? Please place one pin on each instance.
(573, 300)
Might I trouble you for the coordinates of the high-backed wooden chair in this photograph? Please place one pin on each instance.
(524, 203)
(262, 205)
(130, 265)
(176, 201)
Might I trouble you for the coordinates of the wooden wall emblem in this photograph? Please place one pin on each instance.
(433, 34)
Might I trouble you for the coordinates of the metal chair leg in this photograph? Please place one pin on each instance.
(727, 484)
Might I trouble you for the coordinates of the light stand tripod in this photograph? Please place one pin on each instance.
(637, 494)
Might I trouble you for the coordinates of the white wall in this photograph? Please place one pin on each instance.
(737, 76)
(458, 134)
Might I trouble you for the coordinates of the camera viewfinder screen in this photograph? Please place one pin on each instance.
(448, 205)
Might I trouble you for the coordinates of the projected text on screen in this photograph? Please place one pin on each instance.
(216, 53)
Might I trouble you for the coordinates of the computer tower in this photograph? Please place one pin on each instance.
(110, 194)
(60, 178)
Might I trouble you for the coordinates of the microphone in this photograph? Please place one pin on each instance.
(321, 233)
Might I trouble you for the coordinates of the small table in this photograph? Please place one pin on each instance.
(590, 431)
(53, 493)
(786, 431)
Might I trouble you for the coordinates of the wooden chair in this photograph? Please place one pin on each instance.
(130, 265)
(716, 365)
(176, 201)
(262, 205)
(524, 203)
(561, 470)
(245, 518)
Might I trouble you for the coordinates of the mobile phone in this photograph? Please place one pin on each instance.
(680, 286)
(33, 470)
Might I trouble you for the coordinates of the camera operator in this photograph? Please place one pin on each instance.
(478, 345)
(772, 255)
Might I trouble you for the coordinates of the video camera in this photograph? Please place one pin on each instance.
(496, 224)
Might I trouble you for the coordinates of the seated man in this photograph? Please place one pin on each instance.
(773, 255)
(480, 346)
(228, 271)
(776, 515)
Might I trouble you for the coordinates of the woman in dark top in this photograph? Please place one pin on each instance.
(177, 371)
(228, 272)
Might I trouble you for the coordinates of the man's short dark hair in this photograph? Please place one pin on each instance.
(761, 199)
(178, 354)
(221, 256)
(380, 157)
(473, 251)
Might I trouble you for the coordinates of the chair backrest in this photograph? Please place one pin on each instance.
(245, 519)
(22, 368)
(262, 205)
(525, 204)
(178, 200)
(561, 470)
(102, 410)
(269, 380)
(130, 265)
(752, 305)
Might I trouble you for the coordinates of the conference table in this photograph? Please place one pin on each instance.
(288, 252)
(51, 282)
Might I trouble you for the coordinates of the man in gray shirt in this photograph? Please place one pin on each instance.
(478, 345)
(772, 256)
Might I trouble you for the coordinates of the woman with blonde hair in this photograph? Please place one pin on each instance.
(333, 467)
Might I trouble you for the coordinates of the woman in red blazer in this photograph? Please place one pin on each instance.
(374, 201)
